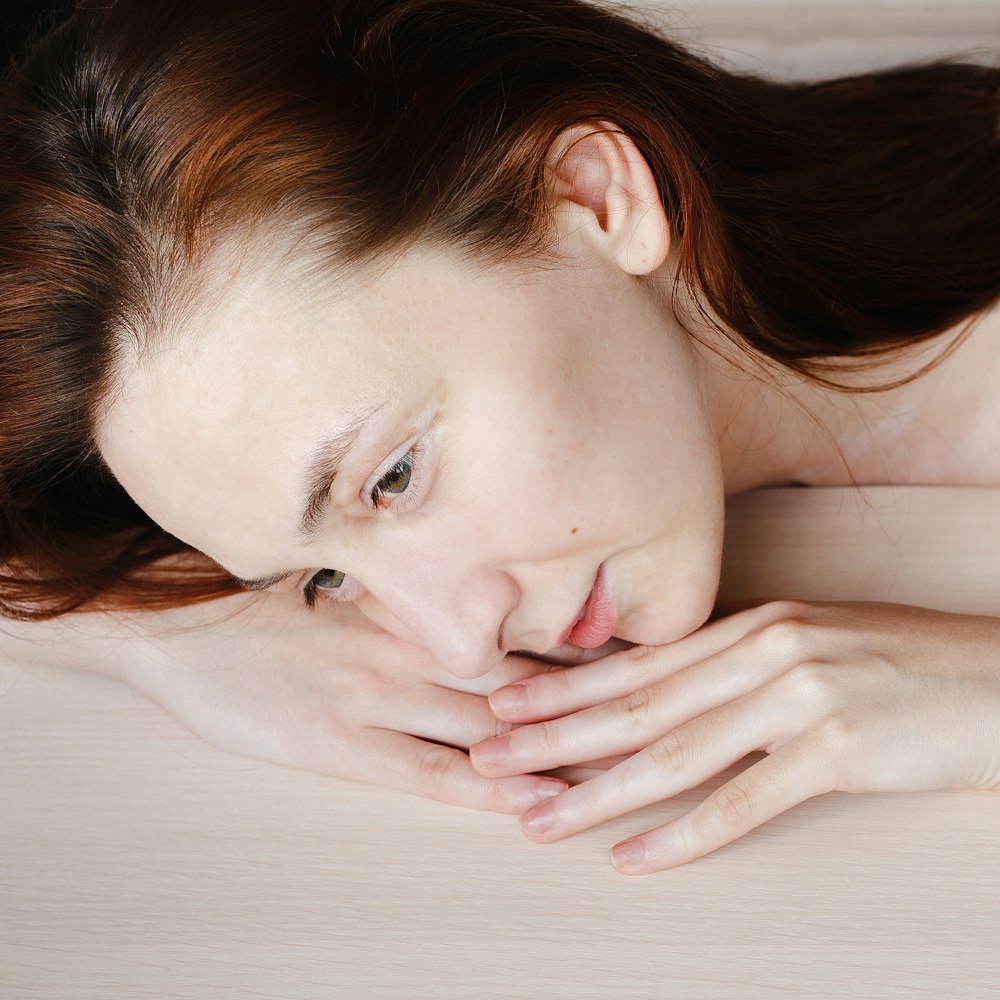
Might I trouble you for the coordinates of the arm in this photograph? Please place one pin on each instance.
(324, 691)
(850, 697)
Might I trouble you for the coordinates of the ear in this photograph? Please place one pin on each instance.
(603, 190)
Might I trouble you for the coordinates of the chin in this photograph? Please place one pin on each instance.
(656, 623)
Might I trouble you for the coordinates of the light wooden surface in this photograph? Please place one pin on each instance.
(814, 38)
(137, 862)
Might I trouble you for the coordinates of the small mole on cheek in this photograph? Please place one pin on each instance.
(574, 531)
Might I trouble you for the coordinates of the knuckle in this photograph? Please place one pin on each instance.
(809, 683)
(734, 805)
(435, 765)
(646, 665)
(551, 689)
(789, 608)
(560, 684)
(636, 706)
(789, 637)
(764, 615)
(835, 736)
(670, 754)
(494, 796)
(682, 841)
(640, 655)
(549, 736)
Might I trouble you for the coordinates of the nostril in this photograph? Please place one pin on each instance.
(468, 662)
(501, 642)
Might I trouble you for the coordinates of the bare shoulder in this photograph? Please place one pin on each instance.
(942, 427)
(959, 429)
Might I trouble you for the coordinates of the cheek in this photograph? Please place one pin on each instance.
(679, 605)
(380, 615)
(669, 584)
(677, 601)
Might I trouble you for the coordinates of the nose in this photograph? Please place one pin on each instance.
(458, 620)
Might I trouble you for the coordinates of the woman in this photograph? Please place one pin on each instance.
(445, 329)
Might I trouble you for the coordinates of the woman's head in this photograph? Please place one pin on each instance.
(141, 138)
(468, 443)
(167, 162)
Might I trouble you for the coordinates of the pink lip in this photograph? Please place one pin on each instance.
(599, 619)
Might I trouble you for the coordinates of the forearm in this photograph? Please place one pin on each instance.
(111, 644)
(90, 642)
(262, 676)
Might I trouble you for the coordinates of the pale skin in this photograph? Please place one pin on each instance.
(555, 420)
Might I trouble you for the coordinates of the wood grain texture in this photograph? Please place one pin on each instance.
(889, 543)
(138, 862)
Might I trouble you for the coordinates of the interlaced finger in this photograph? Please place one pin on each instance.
(681, 759)
(632, 722)
(443, 773)
(562, 691)
(771, 786)
(439, 714)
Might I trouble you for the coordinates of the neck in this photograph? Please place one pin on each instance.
(776, 427)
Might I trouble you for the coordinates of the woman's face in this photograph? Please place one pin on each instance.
(468, 445)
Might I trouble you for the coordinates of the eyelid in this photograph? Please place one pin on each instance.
(350, 590)
(416, 448)
(418, 444)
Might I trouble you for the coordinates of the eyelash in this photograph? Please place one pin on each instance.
(379, 492)
(377, 496)
(310, 593)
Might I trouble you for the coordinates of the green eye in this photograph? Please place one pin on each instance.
(328, 579)
(396, 480)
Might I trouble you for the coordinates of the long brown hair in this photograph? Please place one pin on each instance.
(817, 219)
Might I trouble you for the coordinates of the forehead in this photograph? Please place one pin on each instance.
(211, 423)
(212, 427)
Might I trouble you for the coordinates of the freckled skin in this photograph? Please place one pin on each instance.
(530, 399)
(543, 422)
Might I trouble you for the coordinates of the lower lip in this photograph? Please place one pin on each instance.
(599, 620)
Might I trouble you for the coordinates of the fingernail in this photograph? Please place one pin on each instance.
(539, 819)
(548, 788)
(491, 751)
(628, 853)
(512, 698)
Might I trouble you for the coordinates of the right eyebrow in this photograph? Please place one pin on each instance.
(321, 471)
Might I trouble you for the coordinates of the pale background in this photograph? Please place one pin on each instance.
(807, 38)
(137, 862)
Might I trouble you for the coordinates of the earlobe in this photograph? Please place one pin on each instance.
(604, 190)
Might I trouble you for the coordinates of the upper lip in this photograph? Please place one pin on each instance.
(577, 615)
(560, 638)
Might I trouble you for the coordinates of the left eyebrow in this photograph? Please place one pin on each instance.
(322, 469)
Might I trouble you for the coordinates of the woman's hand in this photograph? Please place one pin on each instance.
(326, 691)
(849, 697)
